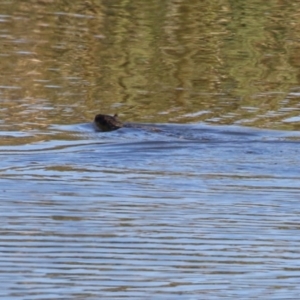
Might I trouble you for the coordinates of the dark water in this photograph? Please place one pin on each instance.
(202, 208)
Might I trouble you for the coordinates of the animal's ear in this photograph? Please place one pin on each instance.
(115, 115)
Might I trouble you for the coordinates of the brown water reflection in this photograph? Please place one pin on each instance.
(178, 61)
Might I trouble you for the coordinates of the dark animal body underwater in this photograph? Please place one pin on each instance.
(110, 123)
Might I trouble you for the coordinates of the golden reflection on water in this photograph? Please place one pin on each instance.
(220, 62)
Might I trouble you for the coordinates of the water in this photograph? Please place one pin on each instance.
(205, 207)
(202, 212)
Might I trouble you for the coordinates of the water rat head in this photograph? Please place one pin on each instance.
(107, 123)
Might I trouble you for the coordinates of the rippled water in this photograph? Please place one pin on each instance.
(192, 211)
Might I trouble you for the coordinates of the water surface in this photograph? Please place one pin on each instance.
(192, 211)
(205, 207)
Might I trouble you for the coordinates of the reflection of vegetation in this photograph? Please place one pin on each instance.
(215, 61)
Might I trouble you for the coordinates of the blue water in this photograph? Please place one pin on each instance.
(189, 212)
